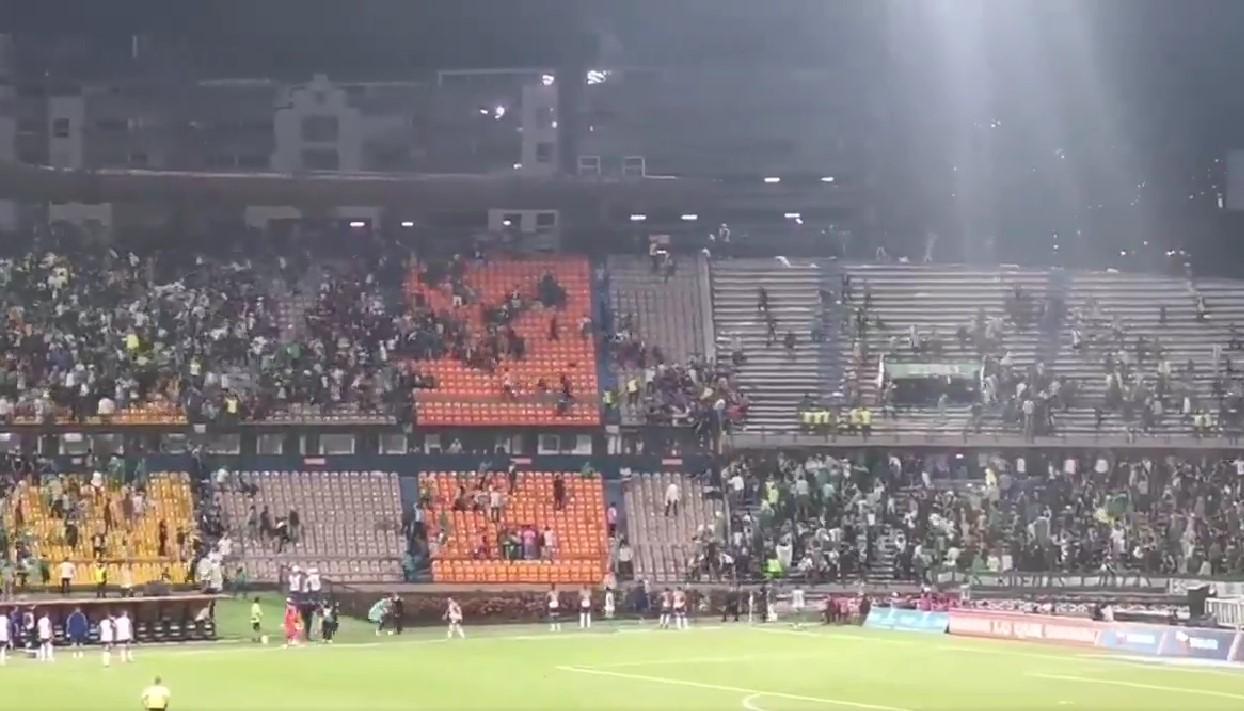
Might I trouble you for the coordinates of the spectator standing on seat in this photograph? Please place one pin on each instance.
(162, 535)
(559, 492)
(611, 519)
(252, 524)
(673, 495)
(68, 570)
(495, 504)
(548, 543)
(265, 524)
(282, 534)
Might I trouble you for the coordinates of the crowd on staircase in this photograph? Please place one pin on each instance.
(700, 394)
(813, 516)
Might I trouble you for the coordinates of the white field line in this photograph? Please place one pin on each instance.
(736, 689)
(703, 660)
(1138, 685)
(750, 704)
(837, 634)
(1105, 659)
(235, 647)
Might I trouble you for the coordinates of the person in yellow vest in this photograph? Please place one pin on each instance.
(232, 407)
(156, 696)
(632, 392)
(807, 419)
(866, 421)
(853, 419)
(608, 398)
(99, 574)
(131, 343)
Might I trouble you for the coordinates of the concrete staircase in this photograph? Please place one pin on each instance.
(774, 379)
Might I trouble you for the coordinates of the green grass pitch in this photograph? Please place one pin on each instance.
(631, 666)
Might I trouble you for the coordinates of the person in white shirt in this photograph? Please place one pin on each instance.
(295, 581)
(43, 629)
(555, 623)
(672, 496)
(797, 604)
(68, 571)
(313, 584)
(125, 636)
(107, 637)
(585, 608)
(680, 609)
(610, 607)
(6, 636)
(737, 487)
(454, 614)
(106, 407)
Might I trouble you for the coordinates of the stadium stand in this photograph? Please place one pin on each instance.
(671, 313)
(40, 528)
(829, 527)
(472, 395)
(666, 546)
(178, 337)
(468, 546)
(1121, 314)
(939, 303)
(774, 378)
(349, 524)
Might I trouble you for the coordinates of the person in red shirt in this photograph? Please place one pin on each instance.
(293, 624)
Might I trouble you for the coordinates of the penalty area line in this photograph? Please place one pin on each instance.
(752, 693)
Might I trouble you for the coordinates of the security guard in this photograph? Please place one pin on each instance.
(156, 696)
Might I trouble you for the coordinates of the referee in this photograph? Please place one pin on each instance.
(156, 696)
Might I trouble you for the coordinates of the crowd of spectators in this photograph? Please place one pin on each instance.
(1143, 383)
(816, 516)
(1089, 514)
(699, 394)
(104, 335)
(491, 342)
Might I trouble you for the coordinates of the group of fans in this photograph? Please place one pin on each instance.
(106, 334)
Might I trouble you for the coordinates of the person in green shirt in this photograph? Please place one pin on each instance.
(256, 619)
